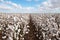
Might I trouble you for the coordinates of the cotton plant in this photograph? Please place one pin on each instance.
(16, 28)
(9, 30)
(4, 32)
(0, 32)
(15, 31)
(26, 29)
(18, 31)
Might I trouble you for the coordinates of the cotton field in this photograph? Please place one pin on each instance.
(29, 26)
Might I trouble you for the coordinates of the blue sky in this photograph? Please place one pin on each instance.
(30, 6)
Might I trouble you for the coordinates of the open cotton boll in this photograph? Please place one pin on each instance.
(4, 37)
(21, 35)
(16, 19)
(19, 30)
(0, 28)
(28, 26)
(27, 32)
(10, 38)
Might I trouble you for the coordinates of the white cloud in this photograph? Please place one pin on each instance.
(55, 3)
(13, 4)
(5, 7)
(51, 6)
(47, 4)
(44, 7)
(16, 8)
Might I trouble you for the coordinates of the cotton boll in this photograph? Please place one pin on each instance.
(26, 32)
(0, 28)
(28, 26)
(21, 35)
(37, 35)
(43, 25)
(19, 30)
(23, 38)
(15, 19)
(7, 28)
(4, 37)
(10, 38)
(49, 39)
